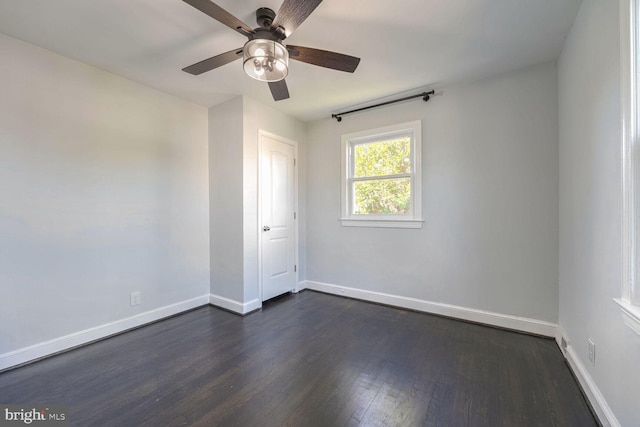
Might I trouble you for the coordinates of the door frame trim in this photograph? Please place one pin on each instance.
(263, 133)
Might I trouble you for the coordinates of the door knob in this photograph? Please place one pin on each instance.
(266, 228)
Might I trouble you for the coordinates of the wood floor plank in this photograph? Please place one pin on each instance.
(308, 360)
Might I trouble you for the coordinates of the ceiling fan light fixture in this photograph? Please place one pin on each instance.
(265, 60)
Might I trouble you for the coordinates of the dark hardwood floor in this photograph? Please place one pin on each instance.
(308, 360)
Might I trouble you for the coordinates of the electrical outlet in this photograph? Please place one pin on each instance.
(592, 352)
(135, 298)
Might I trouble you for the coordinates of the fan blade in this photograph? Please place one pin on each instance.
(221, 15)
(279, 90)
(292, 13)
(324, 58)
(213, 62)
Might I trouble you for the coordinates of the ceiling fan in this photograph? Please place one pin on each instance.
(265, 57)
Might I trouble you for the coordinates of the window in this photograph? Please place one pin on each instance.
(381, 177)
(630, 58)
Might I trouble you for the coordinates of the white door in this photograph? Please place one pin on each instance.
(277, 205)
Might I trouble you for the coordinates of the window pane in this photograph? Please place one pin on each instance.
(382, 196)
(381, 158)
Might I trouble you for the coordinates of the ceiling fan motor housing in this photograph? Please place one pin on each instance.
(265, 17)
(263, 33)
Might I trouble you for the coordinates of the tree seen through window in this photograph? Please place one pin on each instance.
(382, 182)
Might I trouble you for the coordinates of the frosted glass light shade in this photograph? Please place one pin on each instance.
(265, 60)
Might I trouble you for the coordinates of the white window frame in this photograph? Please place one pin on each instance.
(630, 98)
(414, 218)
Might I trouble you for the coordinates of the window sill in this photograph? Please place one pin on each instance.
(382, 223)
(630, 314)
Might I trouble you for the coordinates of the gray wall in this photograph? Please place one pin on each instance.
(590, 208)
(225, 184)
(490, 201)
(103, 191)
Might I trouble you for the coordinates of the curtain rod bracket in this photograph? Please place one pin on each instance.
(424, 95)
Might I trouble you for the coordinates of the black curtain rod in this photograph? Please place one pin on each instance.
(424, 95)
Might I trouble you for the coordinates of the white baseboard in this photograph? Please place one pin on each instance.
(56, 345)
(517, 323)
(233, 305)
(300, 287)
(598, 403)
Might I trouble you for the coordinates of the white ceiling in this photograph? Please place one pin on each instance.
(404, 44)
